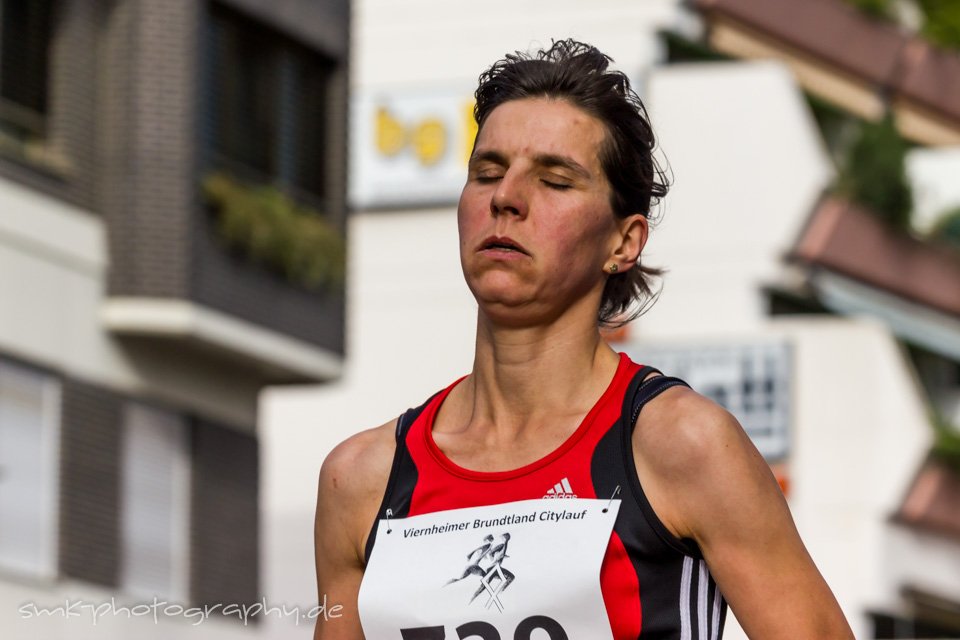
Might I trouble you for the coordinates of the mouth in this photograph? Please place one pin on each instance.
(502, 243)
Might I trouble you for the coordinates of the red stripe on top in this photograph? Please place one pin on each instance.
(443, 484)
(621, 591)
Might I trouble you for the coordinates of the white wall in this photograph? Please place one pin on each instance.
(748, 165)
(52, 265)
(933, 173)
(430, 42)
(920, 560)
(861, 434)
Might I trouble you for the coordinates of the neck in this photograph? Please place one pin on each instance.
(524, 377)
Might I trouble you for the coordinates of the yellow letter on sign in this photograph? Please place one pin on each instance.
(429, 141)
(391, 136)
(470, 130)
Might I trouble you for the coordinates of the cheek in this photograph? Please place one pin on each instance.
(474, 204)
(466, 215)
(472, 221)
(583, 231)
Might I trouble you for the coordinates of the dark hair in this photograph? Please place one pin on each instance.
(577, 72)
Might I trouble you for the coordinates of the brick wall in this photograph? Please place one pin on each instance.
(149, 160)
(224, 534)
(90, 483)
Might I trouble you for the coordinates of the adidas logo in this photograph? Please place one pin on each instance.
(561, 490)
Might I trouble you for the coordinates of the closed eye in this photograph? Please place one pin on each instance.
(559, 186)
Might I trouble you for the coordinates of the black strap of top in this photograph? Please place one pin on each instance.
(650, 389)
(645, 390)
(408, 417)
(401, 459)
(403, 424)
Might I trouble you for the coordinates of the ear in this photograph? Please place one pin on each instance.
(632, 237)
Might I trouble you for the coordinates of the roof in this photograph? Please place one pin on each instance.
(932, 502)
(875, 51)
(850, 240)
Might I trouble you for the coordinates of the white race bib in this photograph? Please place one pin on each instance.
(527, 570)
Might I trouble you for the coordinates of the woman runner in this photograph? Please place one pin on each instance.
(635, 508)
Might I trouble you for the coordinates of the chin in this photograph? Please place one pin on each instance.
(511, 317)
(502, 302)
(499, 287)
(510, 307)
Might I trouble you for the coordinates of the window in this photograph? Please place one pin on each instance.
(154, 503)
(29, 447)
(24, 51)
(268, 105)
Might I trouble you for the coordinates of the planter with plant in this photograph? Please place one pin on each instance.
(271, 229)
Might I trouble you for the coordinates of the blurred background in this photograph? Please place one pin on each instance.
(228, 242)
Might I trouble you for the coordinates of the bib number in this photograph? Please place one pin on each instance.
(486, 631)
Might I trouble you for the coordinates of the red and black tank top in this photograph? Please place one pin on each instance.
(653, 585)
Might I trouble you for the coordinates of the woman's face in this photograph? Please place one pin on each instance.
(536, 227)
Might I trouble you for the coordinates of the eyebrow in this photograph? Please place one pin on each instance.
(488, 156)
(548, 160)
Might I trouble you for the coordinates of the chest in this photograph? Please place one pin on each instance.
(487, 448)
(485, 456)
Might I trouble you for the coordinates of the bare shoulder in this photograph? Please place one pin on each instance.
(687, 448)
(352, 480)
(359, 461)
(681, 427)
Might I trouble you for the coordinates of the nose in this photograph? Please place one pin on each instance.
(509, 197)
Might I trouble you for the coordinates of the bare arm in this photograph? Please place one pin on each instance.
(352, 480)
(708, 482)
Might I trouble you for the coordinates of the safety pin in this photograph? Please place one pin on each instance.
(615, 492)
